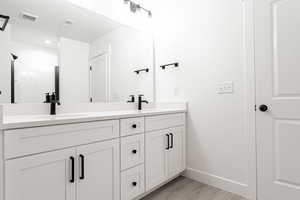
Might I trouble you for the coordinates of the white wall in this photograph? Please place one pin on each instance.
(5, 65)
(74, 71)
(35, 64)
(208, 40)
(129, 50)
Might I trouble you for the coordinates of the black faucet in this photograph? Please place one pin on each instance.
(141, 101)
(132, 99)
(52, 99)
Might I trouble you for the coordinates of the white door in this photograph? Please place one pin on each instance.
(175, 154)
(47, 176)
(156, 158)
(99, 171)
(277, 47)
(99, 78)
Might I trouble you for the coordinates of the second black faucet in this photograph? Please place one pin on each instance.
(140, 101)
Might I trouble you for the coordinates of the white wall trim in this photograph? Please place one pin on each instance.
(217, 181)
(250, 126)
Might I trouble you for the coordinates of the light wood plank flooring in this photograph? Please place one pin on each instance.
(187, 189)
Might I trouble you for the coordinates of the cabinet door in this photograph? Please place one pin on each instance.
(175, 154)
(156, 158)
(99, 171)
(46, 176)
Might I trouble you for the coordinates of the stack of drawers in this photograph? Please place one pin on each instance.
(132, 157)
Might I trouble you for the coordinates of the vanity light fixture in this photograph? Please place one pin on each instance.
(3, 22)
(135, 7)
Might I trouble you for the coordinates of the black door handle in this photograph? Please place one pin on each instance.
(263, 108)
(72, 178)
(172, 141)
(134, 126)
(81, 157)
(168, 141)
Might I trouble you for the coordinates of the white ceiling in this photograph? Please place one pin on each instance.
(52, 14)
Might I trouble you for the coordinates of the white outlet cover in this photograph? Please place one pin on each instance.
(225, 88)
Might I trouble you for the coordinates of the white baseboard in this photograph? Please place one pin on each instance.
(218, 182)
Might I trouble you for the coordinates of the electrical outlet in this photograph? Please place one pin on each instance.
(225, 88)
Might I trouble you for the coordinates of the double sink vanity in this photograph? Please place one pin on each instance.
(109, 155)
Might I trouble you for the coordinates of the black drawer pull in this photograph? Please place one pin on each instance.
(134, 151)
(134, 184)
(81, 157)
(72, 178)
(134, 126)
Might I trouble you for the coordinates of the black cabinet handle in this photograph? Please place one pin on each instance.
(172, 141)
(81, 157)
(168, 141)
(134, 126)
(134, 151)
(72, 178)
(134, 184)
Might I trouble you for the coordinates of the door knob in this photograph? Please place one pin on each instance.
(263, 108)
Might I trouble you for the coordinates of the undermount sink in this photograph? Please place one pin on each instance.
(60, 116)
(67, 115)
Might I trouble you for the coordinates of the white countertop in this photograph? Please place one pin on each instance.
(26, 121)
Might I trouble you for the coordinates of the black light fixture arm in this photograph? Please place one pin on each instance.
(176, 64)
(141, 70)
(146, 10)
(135, 6)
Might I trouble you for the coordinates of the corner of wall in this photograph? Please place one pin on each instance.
(218, 182)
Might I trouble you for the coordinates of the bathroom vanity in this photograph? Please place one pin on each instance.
(118, 155)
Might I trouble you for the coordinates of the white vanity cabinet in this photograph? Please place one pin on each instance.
(45, 176)
(120, 159)
(165, 148)
(87, 172)
(98, 171)
(87, 168)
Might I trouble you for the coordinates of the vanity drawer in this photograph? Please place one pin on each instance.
(132, 183)
(28, 141)
(132, 126)
(132, 151)
(164, 121)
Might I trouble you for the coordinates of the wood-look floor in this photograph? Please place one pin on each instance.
(187, 189)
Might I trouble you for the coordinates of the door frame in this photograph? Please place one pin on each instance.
(250, 96)
(108, 56)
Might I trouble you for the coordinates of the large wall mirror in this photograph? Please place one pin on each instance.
(55, 46)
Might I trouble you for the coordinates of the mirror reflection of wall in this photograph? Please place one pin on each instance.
(123, 51)
(96, 56)
(34, 65)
